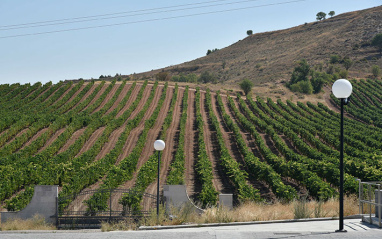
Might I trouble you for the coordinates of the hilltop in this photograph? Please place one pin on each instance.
(271, 56)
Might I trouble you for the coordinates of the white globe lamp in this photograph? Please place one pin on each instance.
(342, 89)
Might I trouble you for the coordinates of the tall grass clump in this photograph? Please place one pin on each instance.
(35, 223)
(246, 212)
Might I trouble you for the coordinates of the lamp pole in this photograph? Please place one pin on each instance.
(342, 168)
(342, 89)
(158, 184)
(159, 145)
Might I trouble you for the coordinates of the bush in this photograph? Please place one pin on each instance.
(207, 77)
(246, 85)
(303, 87)
(300, 72)
(335, 59)
(377, 42)
(162, 76)
(347, 62)
(375, 70)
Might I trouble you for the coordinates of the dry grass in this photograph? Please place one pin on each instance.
(249, 211)
(36, 223)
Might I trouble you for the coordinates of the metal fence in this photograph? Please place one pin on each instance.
(370, 202)
(78, 214)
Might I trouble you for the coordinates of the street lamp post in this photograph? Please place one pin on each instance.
(342, 89)
(159, 145)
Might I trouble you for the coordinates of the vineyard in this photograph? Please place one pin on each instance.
(99, 135)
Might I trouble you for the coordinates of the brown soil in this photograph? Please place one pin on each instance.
(190, 145)
(71, 140)
(247, 136)
(301, 189)
(153, 133)
(100, 92)
(134, 134)
(262, 186)
(52, 139)
(78, 203)
(108, 97)
(271, 56)
(288, 143)
(87, 94)
(120, 97)
(171, 141)
(34, 137)
(91, 141)
(66, 92)
(115, 134)
(219, 176)
(75, 95)
(51, 95)
(3, 132)
(17, 135)
(132, 97)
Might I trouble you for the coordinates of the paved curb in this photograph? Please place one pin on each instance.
(142, 228)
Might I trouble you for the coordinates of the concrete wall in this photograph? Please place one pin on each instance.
(43, 202)
(176, 195)
(226, 200)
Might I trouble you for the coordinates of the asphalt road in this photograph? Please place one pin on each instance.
(317, 229)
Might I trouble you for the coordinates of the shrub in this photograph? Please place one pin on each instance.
(249, 32)
(162, 76)
(377, 42)
(246, 86)
(334, 59)
(343, 74)
(375, 70)
(303, 87)
(347, 62)
(207, 77)
(211, 51)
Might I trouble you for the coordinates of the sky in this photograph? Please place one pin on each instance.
(53, 40)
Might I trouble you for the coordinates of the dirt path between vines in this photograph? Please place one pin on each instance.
(113, 138)
(120, 97)
(87, 94)
(73, 97)
(222, 182)
(190, 145)
(171, 141)
(152, 135)
(107, 98)
(100, 92)
(261, 185)
(34, 137)
(90, 142)
(71, 140)
(130, 143)
(52, 139)
(67, 90)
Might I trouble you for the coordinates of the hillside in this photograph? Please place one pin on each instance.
(97, 135)
(271, 56)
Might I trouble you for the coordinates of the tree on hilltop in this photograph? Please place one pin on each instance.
(321, 16)
(249, 32)
(332, 13)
